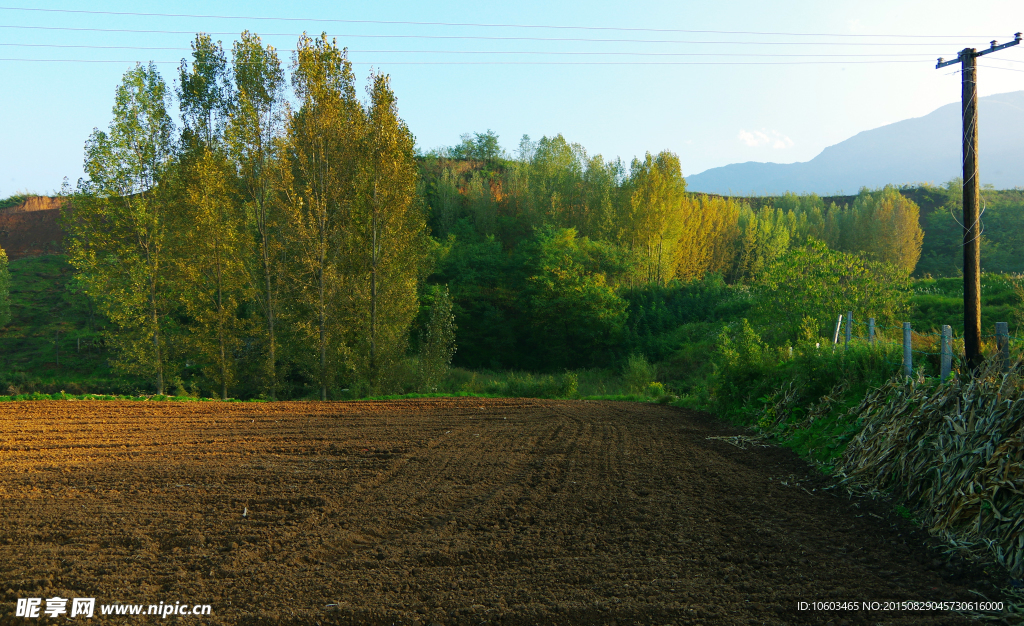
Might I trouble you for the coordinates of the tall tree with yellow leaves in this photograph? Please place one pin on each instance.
(208, 225)
(389, 235)
(254, 141)
(324, 137)
(653, 223)
(888, 228)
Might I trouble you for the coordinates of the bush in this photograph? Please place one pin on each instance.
(638, 373)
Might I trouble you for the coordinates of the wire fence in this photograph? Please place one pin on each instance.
(945, 346)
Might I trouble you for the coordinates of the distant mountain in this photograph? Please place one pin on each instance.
(919, 150)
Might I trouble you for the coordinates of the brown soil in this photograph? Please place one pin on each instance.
(31, 228)
(451, 511)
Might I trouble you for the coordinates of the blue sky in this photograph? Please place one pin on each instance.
(710, 115)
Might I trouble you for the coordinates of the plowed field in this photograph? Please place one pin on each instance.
(460, 511)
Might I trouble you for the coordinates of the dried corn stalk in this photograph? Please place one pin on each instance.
(956, 450)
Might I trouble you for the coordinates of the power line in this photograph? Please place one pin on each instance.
(389, 63)
(534, 52)
(484, 38)
(996, 67)
(483, 25)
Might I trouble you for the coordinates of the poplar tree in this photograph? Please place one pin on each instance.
(208, 226)
(657, 189)
(323, 146)
(204, 91)
(253, 136)
(709, 226)
(390, 230)
(116, 220)
(888, 228)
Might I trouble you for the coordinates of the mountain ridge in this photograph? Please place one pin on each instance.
(917, 150)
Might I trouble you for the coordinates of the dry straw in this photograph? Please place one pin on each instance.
(955, 450)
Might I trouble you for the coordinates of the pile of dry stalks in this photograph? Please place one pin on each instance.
(954, 450)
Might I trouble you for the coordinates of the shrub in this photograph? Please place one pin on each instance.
(638, 373)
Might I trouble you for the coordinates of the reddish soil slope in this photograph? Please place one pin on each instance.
(31, 228)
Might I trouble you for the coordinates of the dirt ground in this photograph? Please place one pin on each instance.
(449, 511)
(31, 228)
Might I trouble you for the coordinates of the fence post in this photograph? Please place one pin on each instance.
(908, 357)
(946, 351)
(1003, 344)
(871, 331)
(849, 325)
(835, 336)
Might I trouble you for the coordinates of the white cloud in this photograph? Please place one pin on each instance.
(764, 137)
(753, 139)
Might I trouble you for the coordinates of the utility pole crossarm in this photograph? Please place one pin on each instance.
(992, 48)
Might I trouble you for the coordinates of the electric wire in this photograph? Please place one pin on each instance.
(487, 25)
(390, 63)
(482, 37)
(918, 55)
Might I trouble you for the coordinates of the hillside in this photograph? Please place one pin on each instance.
(918, 150)
(53, 341)
(31, 228)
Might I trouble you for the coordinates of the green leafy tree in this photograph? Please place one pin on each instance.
(324, 137)
(388, 238)
(479, 146)
(576, 314)
(765, 238)
(204, 91)
(208, 270)
(437, 348)
(208, 226)
(254, 141)
(806, 289)
(116, 221)
(446, 202)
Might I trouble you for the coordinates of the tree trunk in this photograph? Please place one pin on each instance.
(373, 292)
(156, 339)
(323, 338)
(270, 310)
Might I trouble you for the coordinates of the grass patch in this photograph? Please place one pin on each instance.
(54, 341)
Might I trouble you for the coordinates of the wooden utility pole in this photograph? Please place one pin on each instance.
(968, 58)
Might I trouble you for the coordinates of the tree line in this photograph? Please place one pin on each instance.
(557, 258)
(264, 246)
(276, 246)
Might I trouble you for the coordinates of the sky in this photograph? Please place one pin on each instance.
(714, 82)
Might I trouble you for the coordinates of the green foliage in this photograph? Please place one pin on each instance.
(942, 219)
(438, 344)
(13, 200)
(525, 385)
(477, 147)
(577, 316)
(800, 399)
(638, 373)
(252, 137)
(54, 339)
(800, 294)
(204, 91)
(766, 237)
(116, 223)
(939, 301)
